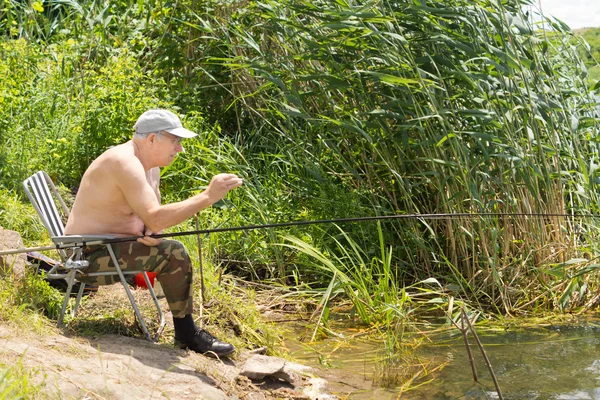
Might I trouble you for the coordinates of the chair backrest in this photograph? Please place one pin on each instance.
(43, 195)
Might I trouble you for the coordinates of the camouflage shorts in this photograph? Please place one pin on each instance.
(169, 260)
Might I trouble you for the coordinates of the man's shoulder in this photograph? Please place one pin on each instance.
(116, 162)
(121, 150)
(119, 155)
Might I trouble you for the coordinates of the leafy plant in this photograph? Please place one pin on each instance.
(20, 217)
(331, 109)
(37, 294)
(16, 382)
(373, 285)
(427, 107)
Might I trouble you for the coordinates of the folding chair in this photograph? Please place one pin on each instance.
(44, 196)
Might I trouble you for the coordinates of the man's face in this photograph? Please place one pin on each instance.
(169, 146)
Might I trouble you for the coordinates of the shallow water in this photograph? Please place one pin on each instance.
(550, 362)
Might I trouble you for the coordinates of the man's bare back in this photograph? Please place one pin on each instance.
(100, 206)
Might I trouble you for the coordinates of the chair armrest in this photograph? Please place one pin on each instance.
(67, 239)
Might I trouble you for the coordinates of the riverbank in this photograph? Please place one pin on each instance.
(119, 367)
(59, 364)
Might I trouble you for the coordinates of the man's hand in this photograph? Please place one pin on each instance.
(221, 184)
(149, 241)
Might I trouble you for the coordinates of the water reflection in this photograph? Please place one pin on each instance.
(552, 362)
(543, 363)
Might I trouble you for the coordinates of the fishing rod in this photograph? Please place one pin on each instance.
(92, 242)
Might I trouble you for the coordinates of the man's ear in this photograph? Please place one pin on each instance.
(151, 139)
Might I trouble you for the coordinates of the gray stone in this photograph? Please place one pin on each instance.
(259, 367)
(13, 263)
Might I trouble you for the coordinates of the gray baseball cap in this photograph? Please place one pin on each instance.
(161, 120)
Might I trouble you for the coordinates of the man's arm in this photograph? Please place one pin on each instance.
(143, 200)
(154, 181)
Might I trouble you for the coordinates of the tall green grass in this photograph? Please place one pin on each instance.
(423, 107)
(369, 283)
(60, 113)
(327, 110)
(336, 109)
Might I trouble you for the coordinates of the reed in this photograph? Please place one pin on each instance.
(328, 110)
(427, 107)
(332, 109)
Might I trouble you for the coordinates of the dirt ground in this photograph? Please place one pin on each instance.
(119, 367)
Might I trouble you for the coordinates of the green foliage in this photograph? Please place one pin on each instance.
(330, 109)
(37, 294)
(28, 296)
(24, 311)
(372, 284)
(426, 108)
(61, 112)
(590, 49)
(20, 217)
(594, 74)
(16, 382)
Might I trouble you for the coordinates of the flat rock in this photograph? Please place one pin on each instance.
(14, 264)
(260, 367)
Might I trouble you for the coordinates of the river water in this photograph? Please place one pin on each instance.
(553, 361)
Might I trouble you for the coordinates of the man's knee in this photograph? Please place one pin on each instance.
(179, 259)
(176, 249)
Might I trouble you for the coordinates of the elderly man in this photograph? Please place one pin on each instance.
(119, 195)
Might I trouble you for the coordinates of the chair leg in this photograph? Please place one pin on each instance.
(79, 295)
(138, 314)
(70, 282)
(161, 315)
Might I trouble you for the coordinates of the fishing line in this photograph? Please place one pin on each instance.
(92, 242)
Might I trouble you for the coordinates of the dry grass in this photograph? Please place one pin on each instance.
(109, 312)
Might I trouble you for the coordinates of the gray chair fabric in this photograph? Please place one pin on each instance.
(52, 210)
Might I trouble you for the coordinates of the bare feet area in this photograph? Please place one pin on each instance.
(119, 367)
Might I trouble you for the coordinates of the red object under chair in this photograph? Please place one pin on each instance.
(140, 282)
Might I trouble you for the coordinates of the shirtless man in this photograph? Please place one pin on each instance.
(119, 195)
